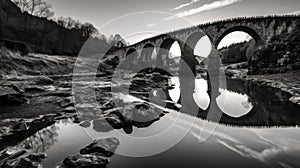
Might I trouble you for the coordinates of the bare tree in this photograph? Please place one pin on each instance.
(88, 30)
(38, 8)
(69, 23)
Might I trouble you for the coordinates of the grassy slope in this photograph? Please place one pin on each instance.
(13, 64)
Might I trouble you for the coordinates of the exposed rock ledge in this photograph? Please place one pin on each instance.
(95, 154)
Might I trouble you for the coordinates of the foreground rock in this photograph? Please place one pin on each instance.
(21, 160)
(22, 129)
(87, 161)
(94, 155)
(102, 147)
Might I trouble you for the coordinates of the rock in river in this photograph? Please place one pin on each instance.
(20, 163)
(80, 161)
(102, 147)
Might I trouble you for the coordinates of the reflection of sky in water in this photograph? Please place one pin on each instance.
(239, 146)
(227, 146)
(231, 103)
(235, 104)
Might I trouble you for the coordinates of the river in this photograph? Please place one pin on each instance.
(258, 128)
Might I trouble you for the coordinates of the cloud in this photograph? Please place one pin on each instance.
(205, 7)
(294, 13)
(151, 25)
(185, 4)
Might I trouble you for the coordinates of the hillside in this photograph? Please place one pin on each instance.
(51, 36)
(280, 55)
(14, 64)
(238, 52)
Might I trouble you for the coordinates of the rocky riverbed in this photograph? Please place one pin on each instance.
(30, 105)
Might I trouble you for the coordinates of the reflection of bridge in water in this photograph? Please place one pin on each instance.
(268, 106)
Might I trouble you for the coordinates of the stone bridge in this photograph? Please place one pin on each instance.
(261, 29)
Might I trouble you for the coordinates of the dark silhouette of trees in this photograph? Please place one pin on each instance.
(68, 22)
(87, 29)
(5, 16)
(238, 52)
(281, 54)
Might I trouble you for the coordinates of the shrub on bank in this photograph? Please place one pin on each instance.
(280, 55)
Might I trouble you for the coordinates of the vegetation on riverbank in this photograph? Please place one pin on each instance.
(280, 55)
(14, 64)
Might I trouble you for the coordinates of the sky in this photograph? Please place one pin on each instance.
(138, 19)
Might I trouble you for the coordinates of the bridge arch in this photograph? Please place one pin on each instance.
(131, 51)
(164, 50)
(245, 29)
(192, 41)
(146, 53)
(188, 52)
(131, 56)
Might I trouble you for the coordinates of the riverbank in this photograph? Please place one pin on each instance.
(286, 82)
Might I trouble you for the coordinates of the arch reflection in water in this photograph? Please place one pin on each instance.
(235, 104)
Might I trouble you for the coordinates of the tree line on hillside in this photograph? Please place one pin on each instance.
(280, 55)
(238, 52)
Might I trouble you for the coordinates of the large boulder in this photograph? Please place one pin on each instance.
(18, 160)
(20, 163)
(102, 125)
(84, 161)
(103, 147)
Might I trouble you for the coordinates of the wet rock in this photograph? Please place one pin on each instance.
(101, 125)
(143, 113)
(69, 110)
(43, 80)
(5, 131)
(65, 85)
(21, 127)
(17, 160)
(128, 129)
(10, 94)
(21, 163)
(102, 147)
(295, 99)
(76, 120)
(34, 89)
(36, 157)
(115, 122)
(85, 124)
(3, 154)
(66, 102)
(115, 119)
(84, 161)
(59, 94)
